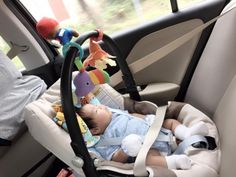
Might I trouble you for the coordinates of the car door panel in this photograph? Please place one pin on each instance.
(163, 70)
(158, 93)
(171, 69)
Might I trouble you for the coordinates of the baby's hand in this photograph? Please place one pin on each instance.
(132, 144)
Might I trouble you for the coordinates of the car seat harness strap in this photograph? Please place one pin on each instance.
(167, 137)
(140, 162)
(188, 142)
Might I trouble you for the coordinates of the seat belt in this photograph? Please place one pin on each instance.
(166, 137)
(140, 162)
(166, 49)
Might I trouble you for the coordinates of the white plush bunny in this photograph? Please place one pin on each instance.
(132, 144)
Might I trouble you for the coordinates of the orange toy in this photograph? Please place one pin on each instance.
(98, 58)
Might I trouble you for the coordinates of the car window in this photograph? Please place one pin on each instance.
(188, 3)
(16, 60)
(109, 15)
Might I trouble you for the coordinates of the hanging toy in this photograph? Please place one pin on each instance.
(98, 58)
(50, 30)
(85, 82)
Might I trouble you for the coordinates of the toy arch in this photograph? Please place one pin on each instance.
(77, 142)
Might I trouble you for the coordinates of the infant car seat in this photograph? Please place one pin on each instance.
(56, 140)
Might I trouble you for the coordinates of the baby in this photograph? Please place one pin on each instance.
(112, 123)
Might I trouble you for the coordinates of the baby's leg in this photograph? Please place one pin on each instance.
(154, 158)
(181, 131)
(171, 124)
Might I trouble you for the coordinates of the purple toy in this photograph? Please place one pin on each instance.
(83, 84)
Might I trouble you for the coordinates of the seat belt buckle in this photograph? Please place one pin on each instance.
(172, 142)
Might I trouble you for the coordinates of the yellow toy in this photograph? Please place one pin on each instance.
(59, 119)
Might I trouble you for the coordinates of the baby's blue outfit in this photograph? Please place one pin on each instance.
(121, 125)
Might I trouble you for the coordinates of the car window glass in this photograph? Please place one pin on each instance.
(16, 60)
(108, 15)
(188, 3)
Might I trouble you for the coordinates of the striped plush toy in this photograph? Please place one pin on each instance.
(84, 83)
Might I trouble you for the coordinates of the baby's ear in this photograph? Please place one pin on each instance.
(95, 131)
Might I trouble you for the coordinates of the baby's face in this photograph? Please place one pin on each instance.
(100, 114)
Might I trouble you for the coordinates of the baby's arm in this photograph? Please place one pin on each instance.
(138, 115)
(120, 156)
(130, 146)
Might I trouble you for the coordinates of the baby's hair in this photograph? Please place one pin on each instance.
(89, 121)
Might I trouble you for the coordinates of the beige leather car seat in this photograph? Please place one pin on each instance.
(216, 67)
(213, 87)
